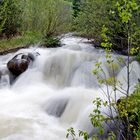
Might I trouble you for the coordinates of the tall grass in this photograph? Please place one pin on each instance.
(26, 39)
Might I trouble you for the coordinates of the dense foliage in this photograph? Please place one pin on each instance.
(10, 21)
(91, 18)
(76, 7)
(95, 14)
(46, 17)
(54, 17)
(132, 111)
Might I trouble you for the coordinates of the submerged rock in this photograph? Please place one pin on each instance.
(56, 106)
(6, 78)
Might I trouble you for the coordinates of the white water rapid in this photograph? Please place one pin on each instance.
(56, 92)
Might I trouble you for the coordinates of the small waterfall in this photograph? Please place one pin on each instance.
(60, 66)
(56, 91)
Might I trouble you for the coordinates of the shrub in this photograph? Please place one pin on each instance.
(50, 41)
(10, 18)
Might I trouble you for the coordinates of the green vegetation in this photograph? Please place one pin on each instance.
(91, 18)
(45, 18)
(132, 111)
(76, 8)
(118, 16)
(26, 39)
(116, 25)
(112, 24)
(52, 18)
(10, 20)
(49, 41)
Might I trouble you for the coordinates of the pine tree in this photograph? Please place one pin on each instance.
(76, 7)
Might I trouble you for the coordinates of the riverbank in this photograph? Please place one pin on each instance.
(10, 50)
(18, 42)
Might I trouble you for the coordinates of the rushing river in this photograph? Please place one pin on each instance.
(57, 91)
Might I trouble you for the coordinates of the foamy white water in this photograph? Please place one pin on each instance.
(56, 92)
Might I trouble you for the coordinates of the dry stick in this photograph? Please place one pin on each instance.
(108, 97)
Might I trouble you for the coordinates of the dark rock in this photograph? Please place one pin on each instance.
(29, 57)
(19, 63)
(17, 66)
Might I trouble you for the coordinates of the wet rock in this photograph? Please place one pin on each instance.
(29, 57)
(20, 63)
(17, 66)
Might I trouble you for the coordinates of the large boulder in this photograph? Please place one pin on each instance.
(17, 66)
(19, 63)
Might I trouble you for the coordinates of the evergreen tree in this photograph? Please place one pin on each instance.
(76, 7)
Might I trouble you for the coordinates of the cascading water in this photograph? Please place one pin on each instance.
(56, 92)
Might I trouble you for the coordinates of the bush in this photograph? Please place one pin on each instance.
(10, 18)
(50, 41)
(130, 107)
(114, 15)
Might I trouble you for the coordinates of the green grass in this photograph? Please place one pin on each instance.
(20, 41)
